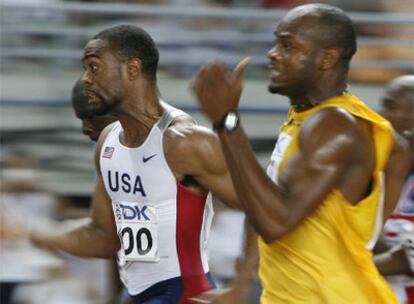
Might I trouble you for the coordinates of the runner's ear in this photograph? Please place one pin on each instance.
(329, 59)
(134, 68)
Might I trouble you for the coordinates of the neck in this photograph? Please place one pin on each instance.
(140, 111)
(315, 96)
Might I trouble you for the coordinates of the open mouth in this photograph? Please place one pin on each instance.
(274, 74)
(273, 71)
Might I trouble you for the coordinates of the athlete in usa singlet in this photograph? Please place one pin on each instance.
(162, 226)
(327, 258)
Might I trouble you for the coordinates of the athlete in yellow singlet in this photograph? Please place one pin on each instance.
(334, 176)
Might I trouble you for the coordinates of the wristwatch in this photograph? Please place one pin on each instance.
(229, 122)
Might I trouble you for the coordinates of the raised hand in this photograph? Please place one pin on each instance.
(217, 90)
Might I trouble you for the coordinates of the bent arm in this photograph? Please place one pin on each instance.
(87, 237)
(196, 151)
(91, 237)
(274, 209)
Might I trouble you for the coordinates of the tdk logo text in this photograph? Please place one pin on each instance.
(133, 212)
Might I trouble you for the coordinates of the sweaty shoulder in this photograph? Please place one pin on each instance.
(335, 135)
(337, 119)
(189, 147)
(333, 138)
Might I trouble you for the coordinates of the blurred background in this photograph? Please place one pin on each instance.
(46, 163)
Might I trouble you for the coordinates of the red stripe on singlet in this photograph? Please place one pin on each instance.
(402, 216)
(190, 214)
(410, 294)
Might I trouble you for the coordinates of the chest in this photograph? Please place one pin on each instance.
(137, 174)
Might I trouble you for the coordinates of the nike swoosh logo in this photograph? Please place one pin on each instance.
(145, 159)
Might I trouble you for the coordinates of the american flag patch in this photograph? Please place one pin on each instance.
(108, 151)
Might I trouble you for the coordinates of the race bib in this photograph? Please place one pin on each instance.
(282, 143)
(138, 231)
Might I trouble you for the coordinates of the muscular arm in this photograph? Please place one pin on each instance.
(91, 237)
(196, 151)
(87, 237)
(327, 145)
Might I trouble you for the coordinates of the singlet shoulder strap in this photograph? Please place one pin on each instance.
(111, 130)
(168, 117)
(116, 126)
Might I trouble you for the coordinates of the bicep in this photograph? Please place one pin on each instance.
(197, 152)
(308, 183)
(326, 152)
(211, 171)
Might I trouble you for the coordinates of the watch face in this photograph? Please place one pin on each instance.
(231, 121)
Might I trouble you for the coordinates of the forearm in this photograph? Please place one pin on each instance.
(392, 263)
(77, 237)
(262, 199)
(391, 260)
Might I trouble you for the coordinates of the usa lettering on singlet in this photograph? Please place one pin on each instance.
(149, 208)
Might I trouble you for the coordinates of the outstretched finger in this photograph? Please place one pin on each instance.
(198, 81)
(239, 69)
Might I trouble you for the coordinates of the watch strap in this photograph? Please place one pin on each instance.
(222, 122)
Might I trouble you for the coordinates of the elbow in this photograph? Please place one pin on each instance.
(268, 239)
(270, 236)
(271, 233)
(271, 224)
(273, 229)
(234, 205)
(112, 248)
(107, 245)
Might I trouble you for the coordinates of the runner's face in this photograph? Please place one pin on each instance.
(398, 108)
(92, 125)
(293, 58)
(102, 78)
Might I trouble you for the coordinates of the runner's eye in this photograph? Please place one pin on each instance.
(93, 66)
(286, 46)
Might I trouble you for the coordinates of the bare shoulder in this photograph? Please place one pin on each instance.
(335, 132)
(330, 120)
(192, 149)
(183, 138)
